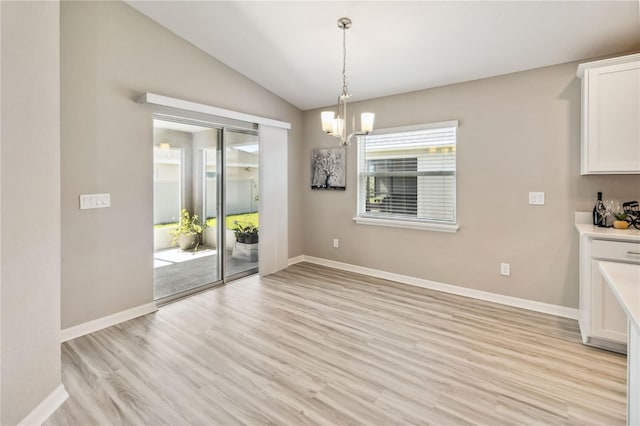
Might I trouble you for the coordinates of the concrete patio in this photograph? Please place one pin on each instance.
(177, 271)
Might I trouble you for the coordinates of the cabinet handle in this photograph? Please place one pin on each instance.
(634, 253)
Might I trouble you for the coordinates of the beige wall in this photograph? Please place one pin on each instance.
(109, 54)
(30, 206)
(518, 133)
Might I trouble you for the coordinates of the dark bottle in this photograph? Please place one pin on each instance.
(599, 212)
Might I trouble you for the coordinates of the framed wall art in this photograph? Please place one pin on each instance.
(328, 168)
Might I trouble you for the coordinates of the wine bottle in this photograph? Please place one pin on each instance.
(599, 212)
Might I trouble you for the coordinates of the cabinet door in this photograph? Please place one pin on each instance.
(608, 320)
(612, 113)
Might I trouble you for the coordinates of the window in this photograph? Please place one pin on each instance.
(409, 175)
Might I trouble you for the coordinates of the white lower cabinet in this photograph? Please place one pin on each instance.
(603, 322)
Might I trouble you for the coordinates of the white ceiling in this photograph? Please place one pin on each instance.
(294, 49)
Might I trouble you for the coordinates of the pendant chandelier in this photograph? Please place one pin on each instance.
(336, 126)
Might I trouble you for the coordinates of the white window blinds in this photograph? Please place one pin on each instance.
(409, 175)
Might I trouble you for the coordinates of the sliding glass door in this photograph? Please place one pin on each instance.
(206, 196)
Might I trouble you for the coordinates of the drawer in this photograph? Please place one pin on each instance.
(616, 250)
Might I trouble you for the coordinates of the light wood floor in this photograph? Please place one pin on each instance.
(316, 346)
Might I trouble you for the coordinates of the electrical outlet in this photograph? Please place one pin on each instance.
(505, 269)
(336, 243)
(536, 198)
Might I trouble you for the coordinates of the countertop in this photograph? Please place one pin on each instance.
(624, 281)
(590, 230)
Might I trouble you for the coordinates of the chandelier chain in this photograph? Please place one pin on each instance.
(345, 91)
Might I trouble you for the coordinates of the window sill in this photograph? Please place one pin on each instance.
(424, 226)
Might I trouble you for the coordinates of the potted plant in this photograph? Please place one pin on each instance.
(247, 234)
(246, 246)
(187, 234)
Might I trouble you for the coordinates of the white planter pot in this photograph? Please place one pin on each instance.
(246, 252)
(187, 241)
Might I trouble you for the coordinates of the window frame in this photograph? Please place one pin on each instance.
(362, 218)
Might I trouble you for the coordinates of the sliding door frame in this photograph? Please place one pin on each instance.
(273, 153)
(222, 125)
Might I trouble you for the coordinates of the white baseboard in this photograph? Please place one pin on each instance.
(297, 259)
(561, 311)
(46, 408)
(104, 322)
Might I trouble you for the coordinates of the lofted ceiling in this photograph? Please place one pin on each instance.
(294, 48)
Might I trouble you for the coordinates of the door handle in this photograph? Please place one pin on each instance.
(634, 253)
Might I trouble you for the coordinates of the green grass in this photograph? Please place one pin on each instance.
(165, 225)
(242, 219)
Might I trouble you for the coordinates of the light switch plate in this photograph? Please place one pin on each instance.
(536, 198)
(505, 269)
(95, 201)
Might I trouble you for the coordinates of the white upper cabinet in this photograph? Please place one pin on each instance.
(611, 116)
